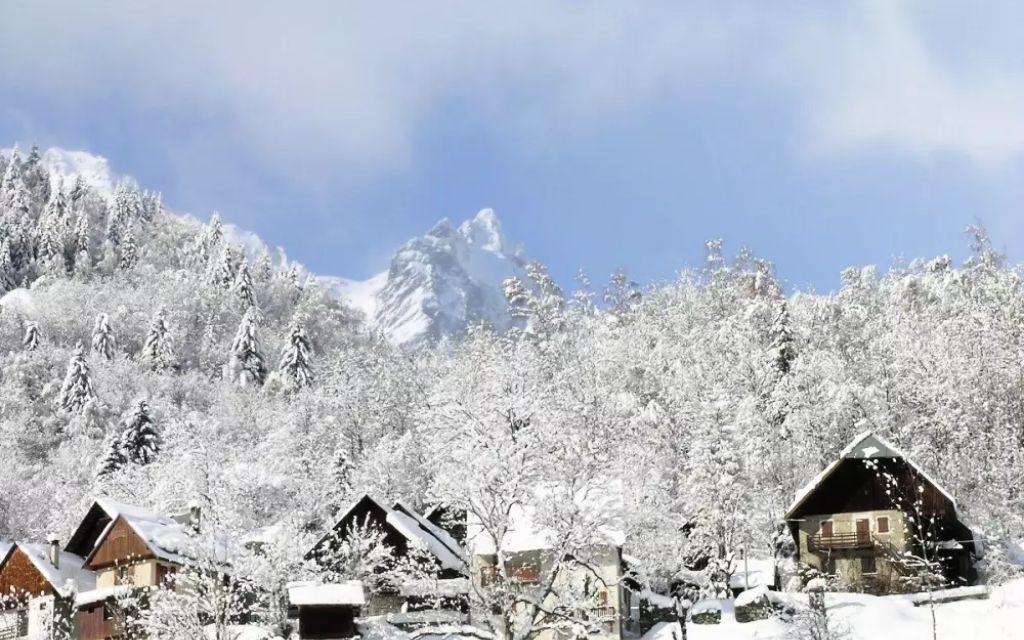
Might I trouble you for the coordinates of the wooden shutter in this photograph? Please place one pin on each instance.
(863, 530)
(826, 529)
(883, 524)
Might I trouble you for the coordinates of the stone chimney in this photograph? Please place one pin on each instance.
(54, 550)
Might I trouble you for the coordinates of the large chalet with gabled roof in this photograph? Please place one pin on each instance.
(131, 550)
(872, 515)
(403, 528)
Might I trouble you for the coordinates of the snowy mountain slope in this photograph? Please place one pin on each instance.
(436, 285)
(439, 283)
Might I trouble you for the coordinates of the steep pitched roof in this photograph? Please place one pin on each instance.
(410, 526)
(70, 576)
(865, 446)
(166, 538)
(96, 519)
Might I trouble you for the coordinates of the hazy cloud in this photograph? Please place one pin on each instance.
(329, 85)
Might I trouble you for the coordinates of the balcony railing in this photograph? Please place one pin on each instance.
(822, 542)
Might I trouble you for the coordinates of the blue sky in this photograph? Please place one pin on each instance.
(604, 134)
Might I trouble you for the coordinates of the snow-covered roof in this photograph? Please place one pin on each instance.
(69, 577)
(414, 528)
(168, 539)
(418, 530)
(5, 547)
(865, 446)
(86, 598)
(448, 587)
(450, 632)
(301, 594)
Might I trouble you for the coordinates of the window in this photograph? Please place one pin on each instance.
(883, 524)
(826, 529)
(868, 565)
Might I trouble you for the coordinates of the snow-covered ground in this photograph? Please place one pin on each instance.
(865, 617)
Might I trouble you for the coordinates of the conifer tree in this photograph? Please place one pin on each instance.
(243, 286)
(157, 351)
(246, 365)
(226, 269)
(31, 339)
(129, 251)
(295, 365)
(102, 337)
(264, 268)
(77, 388)
(139, 441)
(113, 458)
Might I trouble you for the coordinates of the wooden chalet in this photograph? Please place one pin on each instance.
(858, 520)
(38, 583)
(135, 550)
(401, 528)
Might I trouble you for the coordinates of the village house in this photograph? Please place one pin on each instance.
(132, 551)
(597, 577)
(439, 596)
(874, 519)
(38, 583)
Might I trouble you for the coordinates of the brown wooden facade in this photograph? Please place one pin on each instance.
(859, 521)
(21, 580)
(121, 545)
(94, 623)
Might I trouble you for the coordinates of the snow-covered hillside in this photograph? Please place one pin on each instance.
(436, 285)
(439, 283)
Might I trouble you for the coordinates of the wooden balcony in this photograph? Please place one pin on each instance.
(820, 542)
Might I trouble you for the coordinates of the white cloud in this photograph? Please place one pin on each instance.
(881, 79)
(318, 86)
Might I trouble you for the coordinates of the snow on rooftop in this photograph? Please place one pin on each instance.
(865, 446)
(94, 596)
(427, 587)
(70, 576)
(167, 538)
(418, 529)
(302, 594)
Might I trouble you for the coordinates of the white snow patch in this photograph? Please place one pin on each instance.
(313, 593)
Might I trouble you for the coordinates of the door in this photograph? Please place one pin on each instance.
(863, 531)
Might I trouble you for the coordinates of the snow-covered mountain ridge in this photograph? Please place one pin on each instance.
(439, 283)
(435, 285)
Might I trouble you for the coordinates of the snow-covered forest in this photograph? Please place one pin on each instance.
(147, 357)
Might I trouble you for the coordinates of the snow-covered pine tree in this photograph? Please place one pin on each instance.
(246, 365)
(295, 365)
(264, 269)
(129, 251)
(31, 340)
(113, 458)
(77, 388)
(139, 441)
(103, 337)
(226, 268)
(243, 286)
(157, 351)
